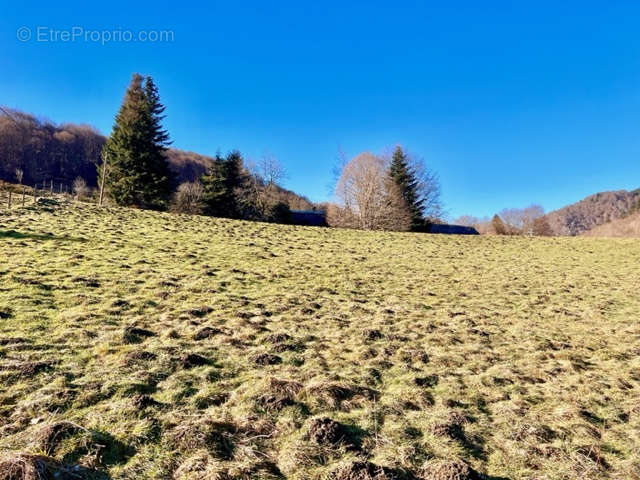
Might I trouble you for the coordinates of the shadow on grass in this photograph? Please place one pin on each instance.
(35, 236)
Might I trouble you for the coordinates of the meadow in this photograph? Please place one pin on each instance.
(136, 344)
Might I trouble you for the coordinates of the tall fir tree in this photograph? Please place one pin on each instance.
(405, 178)
(137, 172)
(222, 185)
(214, 191)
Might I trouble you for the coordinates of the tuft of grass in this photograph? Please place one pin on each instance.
(137, 344)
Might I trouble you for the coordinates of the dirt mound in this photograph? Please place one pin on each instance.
(448, 470)
(284, 387)
(29, 369)
(452, 427)
(136, 334)
(214, 436)
(51, 435)
(144, 401)
(280, 394)
(288, 347)
(213, 400)
(206, 332)
(362, 471)
(12, 340)
(372, 334)
(428, 381)
(141, 355)
(192, 360)
(340, 394)
(32, 467)
(277, 338)
(267, 359)
(325, 431)
(218, 436)
(274, 402)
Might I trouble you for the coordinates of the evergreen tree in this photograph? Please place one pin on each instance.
(405, 178)
(223, 184)
(137, 170)
(214, 194)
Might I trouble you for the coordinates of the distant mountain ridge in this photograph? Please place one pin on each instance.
(592, 211)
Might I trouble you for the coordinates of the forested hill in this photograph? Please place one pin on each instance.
(592, 211)
(46, 151)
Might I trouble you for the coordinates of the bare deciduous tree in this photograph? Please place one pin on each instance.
(80, 188)
(466, 221)
(428, 189)
(367, 198)
(520, 220)
(263, 191)
(271, 170)
(19, 176)
(188, 198)
(511, 221)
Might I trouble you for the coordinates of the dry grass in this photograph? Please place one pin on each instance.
(145, 345)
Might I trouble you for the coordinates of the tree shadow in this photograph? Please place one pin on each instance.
(35, 236)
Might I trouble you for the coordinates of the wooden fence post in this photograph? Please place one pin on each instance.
(104, 174)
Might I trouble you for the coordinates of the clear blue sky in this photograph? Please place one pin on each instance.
(510, 102)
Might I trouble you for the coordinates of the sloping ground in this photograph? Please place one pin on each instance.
(627, 227)
(592, 211)
(145, 345)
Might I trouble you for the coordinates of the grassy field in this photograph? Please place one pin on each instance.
(146, 345)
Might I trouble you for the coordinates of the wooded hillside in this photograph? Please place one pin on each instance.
(592, 211)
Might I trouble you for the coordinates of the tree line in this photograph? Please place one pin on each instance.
(374, 192)
(135, 166)
(134, 169)
(530, 221)
(144, 170)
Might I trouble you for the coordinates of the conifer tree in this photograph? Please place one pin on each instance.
(213, 182)
(405, 178)
(222, 185)
(137, 172)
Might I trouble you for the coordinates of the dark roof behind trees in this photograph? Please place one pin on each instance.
(452, 229)
(310, 218)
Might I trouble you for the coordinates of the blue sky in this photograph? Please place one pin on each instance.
(510, 102)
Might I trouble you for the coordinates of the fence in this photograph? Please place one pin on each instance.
(13, 195)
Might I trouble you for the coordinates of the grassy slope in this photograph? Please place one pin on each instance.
(519, 355)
